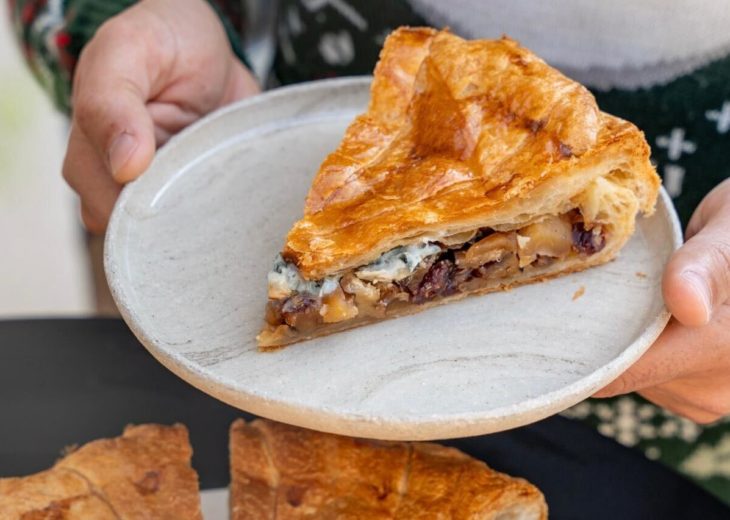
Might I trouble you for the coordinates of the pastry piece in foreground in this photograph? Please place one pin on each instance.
(284, 472)
(475, 168)
(143, 474)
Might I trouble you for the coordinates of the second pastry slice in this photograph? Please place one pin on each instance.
(287, 473)
(144, 474)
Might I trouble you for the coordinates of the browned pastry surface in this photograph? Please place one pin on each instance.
(478, 152)
(459, 135)
(144, 474)
(282, 472)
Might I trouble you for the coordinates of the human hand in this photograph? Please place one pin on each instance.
(687, 370)
(147, 73)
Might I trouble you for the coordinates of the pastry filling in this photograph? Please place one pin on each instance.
(416, 274)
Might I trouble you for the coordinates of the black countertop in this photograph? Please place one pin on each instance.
(69, 381)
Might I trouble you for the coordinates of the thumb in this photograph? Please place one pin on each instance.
(130, 145)
(111, 88)
(697, 277)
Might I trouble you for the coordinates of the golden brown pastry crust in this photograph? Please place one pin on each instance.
(143, 474)
(52, 494)
(461, 135)
(283, 472)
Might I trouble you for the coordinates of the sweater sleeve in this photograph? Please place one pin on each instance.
(52, 34)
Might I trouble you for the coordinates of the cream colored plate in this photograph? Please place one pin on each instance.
(191, 241)
(214, 504)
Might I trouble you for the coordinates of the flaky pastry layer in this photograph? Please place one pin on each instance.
(143, 474)
(282, 472)
(460, 135)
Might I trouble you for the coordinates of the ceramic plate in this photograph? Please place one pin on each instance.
(214, 504)
(190, 243)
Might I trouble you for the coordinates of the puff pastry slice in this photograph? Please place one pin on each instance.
(476, 167)
(143, 474)
(286, 473)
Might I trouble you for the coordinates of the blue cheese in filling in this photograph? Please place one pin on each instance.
(284, 279)
(397, 263)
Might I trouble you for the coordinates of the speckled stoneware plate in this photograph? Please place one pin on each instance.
(214, 504)
(190, 243)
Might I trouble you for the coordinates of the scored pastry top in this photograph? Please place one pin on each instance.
(298, 473)
(145, 473)
(458, 134)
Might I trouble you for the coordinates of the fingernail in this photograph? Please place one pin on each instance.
(120, 151)
(699, 285)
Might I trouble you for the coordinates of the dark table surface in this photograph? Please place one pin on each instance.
(65, 382)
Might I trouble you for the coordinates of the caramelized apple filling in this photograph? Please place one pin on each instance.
(416, 274)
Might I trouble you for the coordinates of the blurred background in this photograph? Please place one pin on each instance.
(42, 251)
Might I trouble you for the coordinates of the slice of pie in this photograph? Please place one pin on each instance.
(476, 167)
(287, 473)
(143, 474)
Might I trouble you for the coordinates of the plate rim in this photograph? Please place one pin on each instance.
(460, 424)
